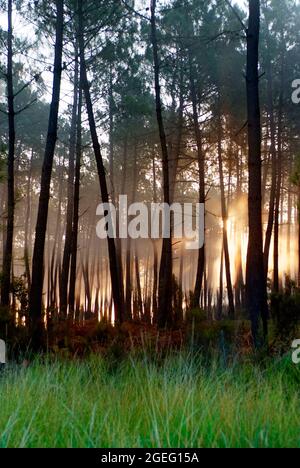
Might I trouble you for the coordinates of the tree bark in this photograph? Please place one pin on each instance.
(225, 219)
(111, 132)
(155, 253)
(138, 285)
(7, 260)
(165, 272)
(279, 180)
(74, 241)
(27, 231)
(298, 200)
(255, 276)
(64, 280)
(116, 280)
(128, 293)
(55, 262)
(270, 224)
(201, 170)
(289, 220)
(36, 291)
(239, 284)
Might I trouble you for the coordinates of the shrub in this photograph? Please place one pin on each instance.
(285, 307)
(221, 336)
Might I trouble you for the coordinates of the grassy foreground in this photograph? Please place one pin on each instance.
(179, 403)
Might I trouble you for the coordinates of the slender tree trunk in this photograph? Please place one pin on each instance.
(111, 131)
(265, 169)
(128, 282)
(138, 284)
(128, 294)
(7, 260)
(155, 254)
(278, 184)
(298, 235)
(239, 285)
(119, 243)
(36, 291)
(4, 217)
(220, 296)
(225, 219)
(179, 121)
(146, 315)
(116, 280)
(87, 287)
(201, 170)
(274, 178)
(49, 277)
(276, 227)
(56, 247)
(27, 231)
(165, 273)
(70, 204)
(255, 275)
(289, 221)
(180, 283)
(124, 166)
(74, 241)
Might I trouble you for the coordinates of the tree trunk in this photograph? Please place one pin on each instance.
(111, 131)
(55, 262)
(289, 221)
(220, 296)
(138, 284)
(128, 294)
(179, 122)
(239, 285)
(64, 280)
(36, 291)
(278, 184)
(273, 158)
(74, 241)
(116, 280)
(224, 219)
(201, 170)
(298, 236)
(155, 254)
(7, 260)
(165, 272)
(255, 275)
(27, 231)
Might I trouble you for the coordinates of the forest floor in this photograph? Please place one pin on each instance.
(176, 401)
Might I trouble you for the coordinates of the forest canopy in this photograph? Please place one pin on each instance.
(174, 101)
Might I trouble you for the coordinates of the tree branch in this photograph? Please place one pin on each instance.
(236, 15)
(242, 128)
(26, 107)
(35, 78)
(130, 8)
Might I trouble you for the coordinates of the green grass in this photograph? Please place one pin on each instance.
(179, 403)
